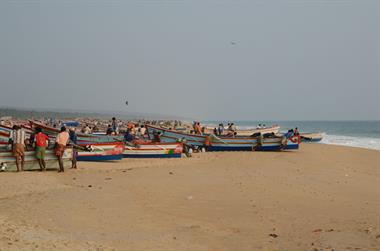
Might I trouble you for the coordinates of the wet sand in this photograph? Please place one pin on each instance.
(319, 198)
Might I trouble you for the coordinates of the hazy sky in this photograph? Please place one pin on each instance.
(280, 60)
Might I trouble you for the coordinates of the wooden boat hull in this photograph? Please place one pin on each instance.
(249, 132)
(248, 147)
(99, 157)
(83, 139)
(102, 152)
(31, 162)
(154, 150)
(213, 143)
(104, 148)
(4, 134)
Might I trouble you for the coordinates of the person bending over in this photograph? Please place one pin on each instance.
(41, 141)
(18, 146)
(60, 145)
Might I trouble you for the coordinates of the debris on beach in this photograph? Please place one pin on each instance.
(273, 235)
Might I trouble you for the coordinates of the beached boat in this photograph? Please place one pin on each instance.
(8, 161)
(103, 147)
(4, 135)
(102, 152)
(312, 137)
(5, 131)
(83, 139)
(154, 150)
(248, 132)
(214, 143)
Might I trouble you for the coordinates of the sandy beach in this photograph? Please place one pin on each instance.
(318, 198)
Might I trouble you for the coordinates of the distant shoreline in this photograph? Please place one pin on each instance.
(22, 113)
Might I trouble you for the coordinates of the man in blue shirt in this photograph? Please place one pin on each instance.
(289, 134)
(74, 141)
(128, 137)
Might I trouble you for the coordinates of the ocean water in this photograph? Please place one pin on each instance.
(364, 134)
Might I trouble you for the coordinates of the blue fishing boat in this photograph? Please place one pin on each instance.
(83, 139)
(102, 152)
(223, 143)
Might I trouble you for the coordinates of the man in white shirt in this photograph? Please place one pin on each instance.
(18, 146)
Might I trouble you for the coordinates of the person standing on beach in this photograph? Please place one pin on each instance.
(156, 137)
(87, 129)
(109, 130)
(95, 129)
(195, 127)
(18, 146)
(60, 145)
(296, 132)
(233, 127)
(115, 128)
(142, 130)
(74, 140)
(41, 141)
(220, 129)
(198, 129)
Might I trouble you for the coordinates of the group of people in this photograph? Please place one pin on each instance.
(40, 142)
(230, 131)
(198, 129)
(261, 126)
(113, 128)
(88, 130)
(135, 132)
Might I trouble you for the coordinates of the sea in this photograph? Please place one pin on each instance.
(363, 134)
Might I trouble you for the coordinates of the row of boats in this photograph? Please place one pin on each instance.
(172, 143)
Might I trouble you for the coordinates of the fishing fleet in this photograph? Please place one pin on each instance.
(158, 141)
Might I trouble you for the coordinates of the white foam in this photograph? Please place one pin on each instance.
(362, 142)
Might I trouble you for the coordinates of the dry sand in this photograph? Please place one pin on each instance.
(319, 198)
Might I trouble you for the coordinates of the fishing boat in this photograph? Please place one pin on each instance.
(223, 143)
(4, 135)
(8, 161)
(154, 150)
(5, 131)
(312, 137)
(103, 147)
(102, 152)
(248, 132)
(83, 139)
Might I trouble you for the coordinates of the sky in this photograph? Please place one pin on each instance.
(206, 59)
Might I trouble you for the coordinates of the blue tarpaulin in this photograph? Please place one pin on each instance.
(71, 123)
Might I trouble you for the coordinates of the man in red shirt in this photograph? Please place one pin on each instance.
(41, 140)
